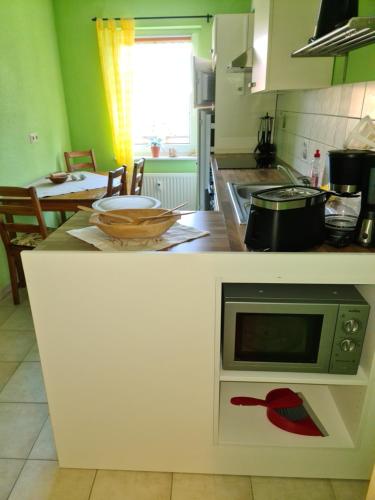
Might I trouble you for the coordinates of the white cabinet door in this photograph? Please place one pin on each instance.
(280, 27)
(232, 106)
(230, 38)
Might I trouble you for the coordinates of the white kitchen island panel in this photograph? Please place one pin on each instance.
(130, 350)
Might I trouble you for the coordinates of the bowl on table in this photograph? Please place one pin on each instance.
(152, 228)
(125, 201)
(58, 177)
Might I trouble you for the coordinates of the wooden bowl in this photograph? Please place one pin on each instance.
(123, 230)
(58, 177)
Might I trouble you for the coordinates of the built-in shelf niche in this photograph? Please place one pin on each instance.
(338, 407)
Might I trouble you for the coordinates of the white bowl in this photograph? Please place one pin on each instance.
(128, 201)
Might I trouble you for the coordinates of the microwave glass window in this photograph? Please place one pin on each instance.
(283, 338)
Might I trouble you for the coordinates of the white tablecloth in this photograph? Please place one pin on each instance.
(45, 187)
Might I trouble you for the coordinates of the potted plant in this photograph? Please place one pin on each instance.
(155, 146)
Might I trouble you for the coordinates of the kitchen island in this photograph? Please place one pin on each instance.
(130, 351)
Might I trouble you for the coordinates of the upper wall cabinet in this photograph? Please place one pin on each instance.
(232, 35)
(281, 27)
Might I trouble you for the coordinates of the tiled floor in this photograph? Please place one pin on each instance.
(28, 466)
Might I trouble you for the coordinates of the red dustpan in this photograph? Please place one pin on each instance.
(287, 410)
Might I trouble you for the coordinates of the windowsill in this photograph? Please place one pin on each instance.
(169, 158)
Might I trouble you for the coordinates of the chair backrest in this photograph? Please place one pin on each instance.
(137, 179)
(15, 201)
(88, 163)
(122, 187)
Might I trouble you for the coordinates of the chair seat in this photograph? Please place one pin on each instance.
(31, 240)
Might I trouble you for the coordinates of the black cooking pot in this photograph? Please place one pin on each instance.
(287, 218)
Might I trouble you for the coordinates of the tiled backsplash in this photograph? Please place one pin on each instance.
(319, 119)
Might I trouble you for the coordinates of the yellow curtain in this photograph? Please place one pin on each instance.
(116, 41)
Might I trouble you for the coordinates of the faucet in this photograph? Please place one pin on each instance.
(301, 179)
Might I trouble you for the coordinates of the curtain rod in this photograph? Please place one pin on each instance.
(207, 17)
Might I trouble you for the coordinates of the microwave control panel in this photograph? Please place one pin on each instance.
(349, 336)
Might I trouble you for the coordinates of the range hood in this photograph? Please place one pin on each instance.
(243, 63)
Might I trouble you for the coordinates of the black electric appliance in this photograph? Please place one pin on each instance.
(292, 327)
(352, 172)
(286, 218)
(333, 14)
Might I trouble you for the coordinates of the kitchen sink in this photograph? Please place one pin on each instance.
(246, 190)
(241, 193)
(241, 197)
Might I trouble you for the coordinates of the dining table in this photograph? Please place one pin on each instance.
(71, 194)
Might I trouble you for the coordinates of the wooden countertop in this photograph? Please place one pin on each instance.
(216, 241)
(236, 232)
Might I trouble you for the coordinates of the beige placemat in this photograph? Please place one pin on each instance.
(176, 234)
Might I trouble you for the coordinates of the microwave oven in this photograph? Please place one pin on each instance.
(293, 328)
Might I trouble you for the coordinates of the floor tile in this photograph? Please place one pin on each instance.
(6, 371)
(42, 480)
(5, 313)
(275, 488)
(20, 425)
(121, 485)
(25, 386)
(8, 299)
(20, 319)
(44, 447)
(210, 487)
(15, 344)
(349, 490)
(33, 354)
(9, 472)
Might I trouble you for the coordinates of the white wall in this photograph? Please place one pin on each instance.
(319, 119)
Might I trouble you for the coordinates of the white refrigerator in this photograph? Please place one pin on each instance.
(206, 131)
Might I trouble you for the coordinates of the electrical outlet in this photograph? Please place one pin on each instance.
(33, 137)
(304, 150)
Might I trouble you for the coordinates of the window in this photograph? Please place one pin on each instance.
(162, 101)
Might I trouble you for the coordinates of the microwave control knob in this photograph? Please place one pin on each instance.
(351, 326)
(347, 345)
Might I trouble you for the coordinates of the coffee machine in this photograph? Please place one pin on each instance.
(352, 172)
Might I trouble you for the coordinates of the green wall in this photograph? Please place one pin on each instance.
(32, 97)
(87, 112)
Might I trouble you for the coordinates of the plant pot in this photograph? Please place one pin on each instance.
(155, 151)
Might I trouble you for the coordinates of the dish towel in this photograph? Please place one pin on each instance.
(176, 234)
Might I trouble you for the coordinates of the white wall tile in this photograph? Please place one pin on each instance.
(369, 101)
(357, 100)
(340, 132)
(351, 99)
(323, 117)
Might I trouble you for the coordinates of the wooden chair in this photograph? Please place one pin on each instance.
(16, 201)
(89, 163)
(122, 187)
(137, 179)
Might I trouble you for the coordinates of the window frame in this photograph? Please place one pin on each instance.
(182, 149)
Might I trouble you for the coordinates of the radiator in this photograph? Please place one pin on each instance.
(172, 189)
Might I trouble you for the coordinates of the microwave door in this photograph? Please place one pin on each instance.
(278, 337)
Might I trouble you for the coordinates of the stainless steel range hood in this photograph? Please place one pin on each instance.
(243, 63)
